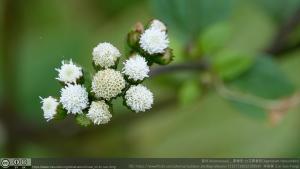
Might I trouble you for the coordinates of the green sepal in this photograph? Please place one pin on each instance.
(133, 38)
(131, 81)
(83, 120)
(60, 113)
(165, 58)
(98, 67)
(81, 80)
(62, 83)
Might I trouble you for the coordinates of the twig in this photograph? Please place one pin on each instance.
(189, 66)
(277, 47)
(279, 44)
(244, 98)
(275, 107)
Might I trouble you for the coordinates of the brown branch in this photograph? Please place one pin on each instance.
(279, 44)
(189, 66)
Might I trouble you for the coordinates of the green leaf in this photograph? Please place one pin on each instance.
(190, 17)
(250, 109)
(189, 92)
(83, 120)
(265, 79)
(215, 37)
(178, 48)
(246, 19)
(230, 64)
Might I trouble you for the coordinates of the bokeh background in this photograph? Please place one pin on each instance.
(250, 50)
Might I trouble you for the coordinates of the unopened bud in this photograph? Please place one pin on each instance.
(139, 27)
(165, 58)
(133, 38)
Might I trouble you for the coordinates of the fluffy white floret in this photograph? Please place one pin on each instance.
(154, 41)
(99, 113)
(157, 24)
(107, 84)
(69, 72)
(139, 98)
(105, 55)
(136, 68)
(49, 107)
(74, 98)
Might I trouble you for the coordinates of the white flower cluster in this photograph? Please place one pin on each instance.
(74, 98)
(107, 84)
(155, 39)
(49, 106)
(99, 112)
(139, 98)
(136, 68)
(92, 106)
(69, 72)
(105, 55)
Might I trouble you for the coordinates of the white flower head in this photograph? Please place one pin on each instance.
(49, 107)
(107, 84)
(154, 41)
(157, 24)
(74, 98)
(136, 68)
(99, 112)
(69, 72)
(139, 98)
(105, 55)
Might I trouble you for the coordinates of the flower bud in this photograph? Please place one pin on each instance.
(133, 38)
(139, 27)
(157, 24)
(134, 35)
(165, 58)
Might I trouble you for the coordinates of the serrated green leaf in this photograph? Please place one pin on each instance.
(189, 92)
(229, 64)
(83, 120)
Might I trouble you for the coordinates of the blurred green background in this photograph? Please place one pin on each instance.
(252, 47)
